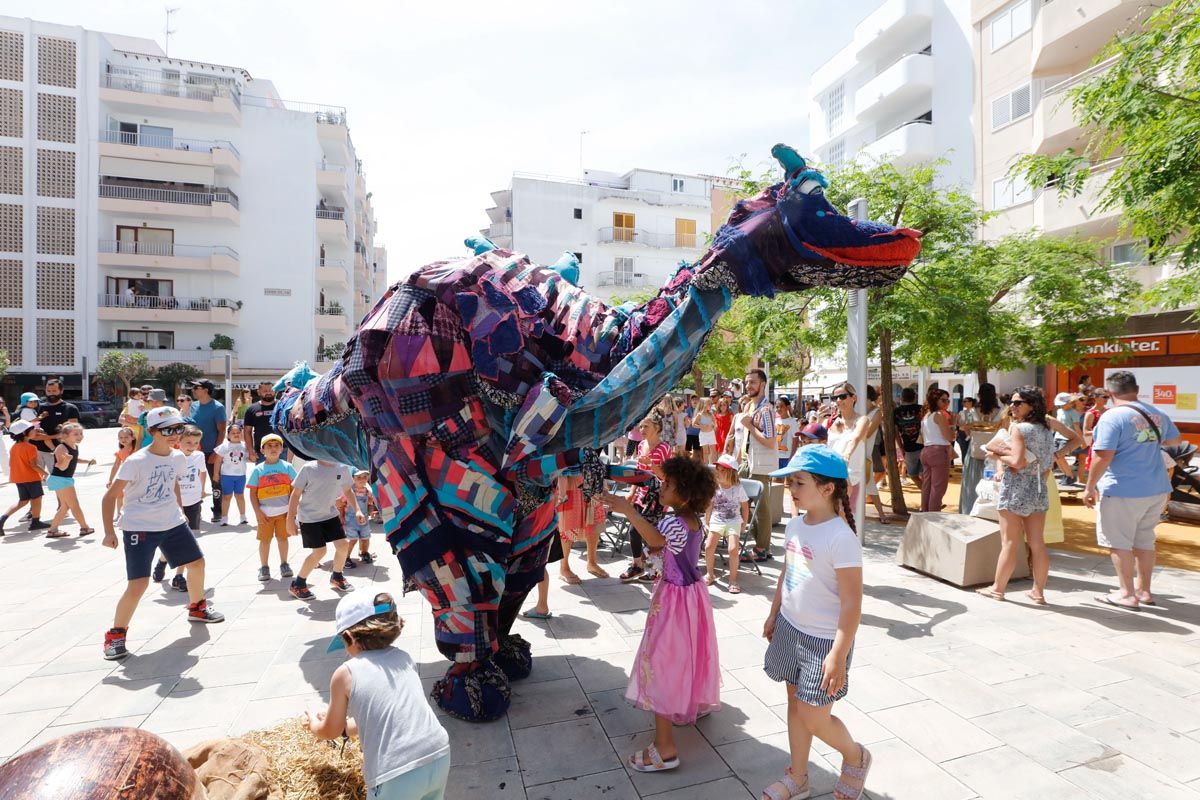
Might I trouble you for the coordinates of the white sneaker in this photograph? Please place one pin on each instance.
(223, 522)
(243, 522)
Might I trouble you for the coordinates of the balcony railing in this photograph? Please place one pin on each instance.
(161, 195)
(152, 82)
(167, 142)
(168, 249)
(331, 213)
(326, 167)
(1080, 77)
(331, 262)
(325, 115)
(330, 311)
(632, 280)
(166, 355)
(639, 236)
(171, 303)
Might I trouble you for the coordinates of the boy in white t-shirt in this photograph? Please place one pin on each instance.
(152, 518)
(230, 472)
(191, 493)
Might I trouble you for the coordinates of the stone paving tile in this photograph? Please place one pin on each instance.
(1121, 777)
(618, 717)
(54, 691)
(57, 730)
(934, 732)
(742, 716)
(874, 690)
(1065, 703)
(698, 762)
(1136, 695)
(722, 789)
(962, 694)
(1179, 681)
(496, 780)
(199, 708)
(115, 697)
(901, 773)
(563, 750)
(1006, 774)
(1043, 739)
(474, 744)
(758, 763)
(1165, 751)
(611, 785)
(550, 701)
(18, 728)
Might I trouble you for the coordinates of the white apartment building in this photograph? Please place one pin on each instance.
(150, 203)
(628, 231)
(900, 91)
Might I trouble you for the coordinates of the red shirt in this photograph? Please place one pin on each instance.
(724, 423)
(655, 457)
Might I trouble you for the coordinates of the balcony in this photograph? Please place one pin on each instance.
(1079, 215)
(625, 280)
(170, 150)
(143, 308)
(330, 319)
(161, 200)
(904, 145)
(141, 89)
(331, 224)
(211, 362)
(892, 22)
(1054, 126)
(1066, 31)
(906, 82)
(331, 178)
(332, 272)
(167, 255)
(360, 187)
(686, 241)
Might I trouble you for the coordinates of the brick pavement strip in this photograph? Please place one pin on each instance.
(959, 696)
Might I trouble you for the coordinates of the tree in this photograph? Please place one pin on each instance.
(125, 369)
(220, 342)
(4, 364)
(1145, 109)
(172, 375)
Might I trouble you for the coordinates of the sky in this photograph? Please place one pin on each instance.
(445, 100)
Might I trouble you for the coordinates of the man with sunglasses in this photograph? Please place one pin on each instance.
(759, 423)
(152, 519)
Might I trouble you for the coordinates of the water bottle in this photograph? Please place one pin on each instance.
(989, 471)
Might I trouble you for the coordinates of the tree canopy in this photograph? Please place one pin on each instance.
(118, 367)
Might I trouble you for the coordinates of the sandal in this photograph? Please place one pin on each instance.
(735, 589)
(853, 780)
(597, 571)
(788, 789)
(533, 613)
(55, 533)
(1148, 601)
(86, 531)
(1038, 599)
(1107, 599)
(571, 579)
(649, 760)
(988, 591)
(709, 580)
(632, 574)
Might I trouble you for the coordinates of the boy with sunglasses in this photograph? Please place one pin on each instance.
(152, 519)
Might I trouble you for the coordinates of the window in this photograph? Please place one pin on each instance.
(145, 241)
(837, 153)
(148, 340)
(676, 184)
(1011, 23)
(1128, 253)
(578, 212)
(623, 224)
(685, 233)
(1010, 192)
(623, 271)
(835, 103)
(142, 287)
(1013, 106)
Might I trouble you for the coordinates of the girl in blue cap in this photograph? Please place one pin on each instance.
(813, 620)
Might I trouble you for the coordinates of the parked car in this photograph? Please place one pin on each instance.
(94, 414)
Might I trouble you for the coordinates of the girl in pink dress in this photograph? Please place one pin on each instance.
(676, 673)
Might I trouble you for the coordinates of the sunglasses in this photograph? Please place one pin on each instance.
(172, 430)
(183, 399)
(842, 396)
(1019, 402)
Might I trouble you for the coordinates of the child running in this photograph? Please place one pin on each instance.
(270, 494)
(676, 673)
(126, 445)
(153, 520)
(376, 697)
(356, 531)
(727, 519)
(813, 619)
(317, 486)
(26, 472)
(191, 495)
(62, 480)
(230, 472)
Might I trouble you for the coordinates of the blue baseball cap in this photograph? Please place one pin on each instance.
(817, 459)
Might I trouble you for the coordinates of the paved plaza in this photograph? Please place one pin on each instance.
(957, 696)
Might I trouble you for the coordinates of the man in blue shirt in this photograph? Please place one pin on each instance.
(1129, 483)
(209, 416)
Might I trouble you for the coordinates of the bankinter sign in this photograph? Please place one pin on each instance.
(1142, 345)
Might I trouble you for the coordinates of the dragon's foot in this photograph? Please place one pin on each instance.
(515, 657)
(475, 691)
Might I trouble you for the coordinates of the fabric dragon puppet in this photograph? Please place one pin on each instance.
(474, 383)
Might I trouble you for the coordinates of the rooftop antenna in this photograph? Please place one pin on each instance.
(167, 30)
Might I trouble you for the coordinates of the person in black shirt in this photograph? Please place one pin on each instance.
(54, 412)
(907, 417)
(258, 420)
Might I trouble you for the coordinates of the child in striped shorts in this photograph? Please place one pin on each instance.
(813, 619)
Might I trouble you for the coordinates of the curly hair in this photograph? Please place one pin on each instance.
(379, 631)
(1036, 401)
(931, 400)
(693, 481)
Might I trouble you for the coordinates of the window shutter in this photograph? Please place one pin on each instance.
(1021, 101)
(1000, 112)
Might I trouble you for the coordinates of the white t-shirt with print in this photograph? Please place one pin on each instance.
(233, 457)
(150, 501)
(190, 490)
(785, 431)
(812, 556)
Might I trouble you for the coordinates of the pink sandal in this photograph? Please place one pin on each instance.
(853, 780)
(788, 789)
(649, 760)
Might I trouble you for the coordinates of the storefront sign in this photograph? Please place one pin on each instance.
(1133, 345)
(1173, 390)
(269, 292)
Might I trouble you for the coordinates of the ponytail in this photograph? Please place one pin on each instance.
(849, 512)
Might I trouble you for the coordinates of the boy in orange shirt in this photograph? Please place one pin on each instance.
(27, 473)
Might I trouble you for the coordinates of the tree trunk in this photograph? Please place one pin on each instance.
(698, 381)
(981, 373)
(899, 507)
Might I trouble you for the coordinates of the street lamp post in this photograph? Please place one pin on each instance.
(856, 365)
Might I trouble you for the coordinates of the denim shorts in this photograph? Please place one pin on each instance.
(56, 482)
(178, 547)
(354, 530)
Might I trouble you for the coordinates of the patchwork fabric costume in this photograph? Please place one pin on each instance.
(473, 384)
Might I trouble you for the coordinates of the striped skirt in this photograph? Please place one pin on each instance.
(798, 659)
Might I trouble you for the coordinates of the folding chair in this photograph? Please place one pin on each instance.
(754, 491)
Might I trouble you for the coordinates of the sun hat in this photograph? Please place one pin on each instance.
(351, 610)
(727, 461)
(270, 437)
(25, 398)
(817, 460)
(1062, 398)
(163, 417)
(157, 395)
(815, 430)
(20, 426)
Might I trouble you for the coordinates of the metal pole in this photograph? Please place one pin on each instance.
(856, 366)
(83, 374)
(229, 382)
